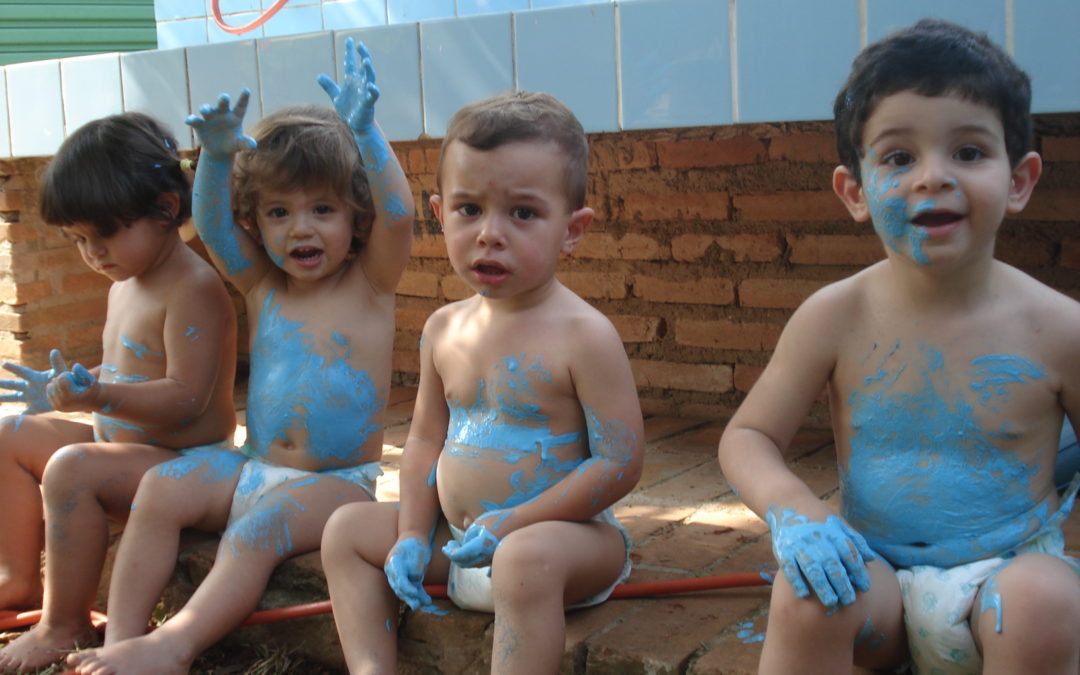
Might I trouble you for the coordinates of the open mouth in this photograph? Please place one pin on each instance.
(491, 269)
(936, 218)
(306, 255)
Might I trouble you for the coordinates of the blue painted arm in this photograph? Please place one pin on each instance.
(31, 389)
(405, 568)
(828, 557)
(220, 131)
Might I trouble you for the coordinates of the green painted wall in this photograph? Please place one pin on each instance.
(46, 29)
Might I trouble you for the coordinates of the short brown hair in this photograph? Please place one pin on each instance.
(111, 172)
(303, 146)
(524, 116)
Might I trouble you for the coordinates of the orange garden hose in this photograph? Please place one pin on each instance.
(10, 619)
(239, 30)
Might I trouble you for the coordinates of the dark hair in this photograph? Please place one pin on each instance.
(300, 147)
(934, 58)
(524, 116)
(111, 172)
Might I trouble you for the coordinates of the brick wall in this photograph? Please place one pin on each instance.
(705, 240)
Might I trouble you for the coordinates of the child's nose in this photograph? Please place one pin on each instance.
(302, 226)
(933, 175)
(492, 233)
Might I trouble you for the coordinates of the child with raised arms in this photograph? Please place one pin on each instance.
(316, 234)
(949, 374)
(116, 189)
(527, 426)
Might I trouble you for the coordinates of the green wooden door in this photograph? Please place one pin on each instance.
(47, 29)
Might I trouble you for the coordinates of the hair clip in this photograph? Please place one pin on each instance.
(187, 164)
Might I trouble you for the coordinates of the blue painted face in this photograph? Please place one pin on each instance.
(927, 481)
(298, 384)
(890, 215)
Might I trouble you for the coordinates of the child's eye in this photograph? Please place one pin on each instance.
(898, 158)
(970, 153)
(324, 209)
(469, 210)
(522, 213)
(277, 212)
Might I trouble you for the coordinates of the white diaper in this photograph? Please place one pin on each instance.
(938, 601)
(470, 587)
(257, 478)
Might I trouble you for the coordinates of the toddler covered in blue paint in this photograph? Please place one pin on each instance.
(316, 234)
(948, 376)
(116, 189)
(527, 426)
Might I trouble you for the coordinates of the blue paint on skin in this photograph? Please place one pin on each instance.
(927, 482)
(747, 634)
(395, 208)
(991, 600)
(212, 212)
(389, 626)
(405, 573)
(265, 526)
(295, 388)
(304, 483)
(106, 428)
(212, 466)
(434, 473)
(869, 637)
(890, 214)
(192, 333)
(139, 349)
(114, 375)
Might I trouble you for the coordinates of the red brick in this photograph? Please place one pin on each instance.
(1061, 149)
(776, 293)
(835, 249)
(790, 206)
(1070, 254)
(421, 284)
(84, 310)
(454, 288)
(708, 291)
(677, 206)
(1056, 205)
(411, 320)
(727, 334)
(83, 337)
(752, 247)
(637, 328)
(746, 376)
(84, 281)
(613, 156)
(604, 246)
(17, 232)
(804, 148)
(10, 200)
(12, 322)
(690, 247)
(1023, 252)
(700, 154)
(639, 247)
(26, 292)
(598, 285)
(688, 376)
(406, 361)
(429, 246)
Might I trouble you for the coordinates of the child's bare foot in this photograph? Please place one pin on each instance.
(148, 654)
(43, 645)
(19, 595)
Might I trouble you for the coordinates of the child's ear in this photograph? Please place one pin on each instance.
(1022, 183)
(850, 193)
(169, 202)
(575, 229)
(436, 207)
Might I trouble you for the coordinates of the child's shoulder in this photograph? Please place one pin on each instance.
(1035, 304)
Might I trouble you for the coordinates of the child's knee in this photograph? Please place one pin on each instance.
(67, 468)
(1035, 595)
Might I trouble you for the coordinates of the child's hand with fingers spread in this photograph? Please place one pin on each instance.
(73, 391)
(355, 99)
(828, 557)
(31, 390)
(221, 129)
(478, 544)
(405, 567)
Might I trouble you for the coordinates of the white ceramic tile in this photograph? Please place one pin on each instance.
(569, 52)
(469, 7)
(5, 134)
(546, 4)
(289, 66)
(35, 107)
(216, 34)
(167, 10)
(294, 21)
(156, 83)
(395, 53)
(225, 68)
(405, 11)
(791, 69)
(986, 16)
(676, 65)
(1048, 49)
(91, 89)
(185, 33)
(463, 60)
(350, 14)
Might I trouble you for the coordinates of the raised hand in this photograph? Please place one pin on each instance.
(828, 557)
(355, 99)
(405, 567)
(478, 543)
(74, 390)
(31, 388)
(221, 129)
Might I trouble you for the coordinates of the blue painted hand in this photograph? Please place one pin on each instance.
(355, 98)
(405, 567)
(830, 556)
(73, 390)
(478, 544)
(31, 389)
(221, 129)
